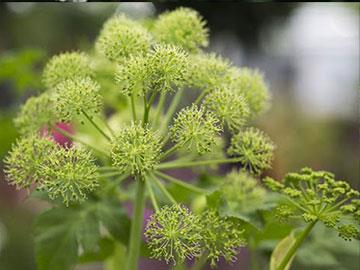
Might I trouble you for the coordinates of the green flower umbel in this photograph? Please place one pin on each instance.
(136, 150)
(229, 106)
(66, 66)
(122, 37)
(173, 234)
(25, 158)
(69, 174)
(222, 237)
(253, 148)
(75, 97)
(196, 129)
(37, 113)
(184, 27)
(317, 196)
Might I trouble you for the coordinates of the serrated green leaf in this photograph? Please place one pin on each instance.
(62, 234)
(280, 251)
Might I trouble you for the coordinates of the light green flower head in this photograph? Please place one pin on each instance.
(69, 174)
(173, 234)
(317, 196)
(207, 71)
(195, 129)
(66, 66)
(250, 84)
(183, 27)
(136, 150)
(241, 192)
(75, 97)
(253, 148)
(25, 158)
(122, 37)
(37, 113)
(163, 69)
(231, 108)
(222, 237)
(168, 68)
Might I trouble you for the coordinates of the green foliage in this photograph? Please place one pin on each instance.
(121, 38)
(66, 66)
(183, 27)
(74, 97)
(317, 196)
(254, 149)
(62, 234)
(173, 234)
(136, 150)
(36, 114)
(194, 128)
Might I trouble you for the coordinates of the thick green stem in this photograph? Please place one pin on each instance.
(174, 164)
(136, 226)
(96, 126)
(133, 110)
(180, 183)
(299, 239)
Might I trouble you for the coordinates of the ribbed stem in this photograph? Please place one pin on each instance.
(291, 252)
(136, 226)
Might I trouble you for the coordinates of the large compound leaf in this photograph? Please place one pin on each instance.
(63, 234)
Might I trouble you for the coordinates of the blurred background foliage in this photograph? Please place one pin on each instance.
(309, 53)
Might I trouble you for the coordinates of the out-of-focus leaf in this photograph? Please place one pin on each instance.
(20, 68)
(62, 234)
(105, 249)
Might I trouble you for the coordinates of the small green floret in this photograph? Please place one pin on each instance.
(136, 150)
(69, 174)
(254, 149)
(184, 27)
(229, 106)
(173, 234)
(36, 114)
(66, 66)
(25, 158)
(74, 97)
(251, 85)
(222, 237)
(121, 38)
(195, 129)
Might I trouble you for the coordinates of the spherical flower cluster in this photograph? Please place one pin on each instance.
(162, 69)
(250, 84)
(122, 37)
(221, 237)
(184, 27)
(173, 234)
(168, 68)
(37, 113)
(69, 174)
(136, 150)
(241, 192)
(66, 66)
(317, 196)
(207, 71)
(74, 97)
(26, 156)
(195, 129)
(229, 106)
(253, 148)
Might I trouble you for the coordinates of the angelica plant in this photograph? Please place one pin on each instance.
(147, 130)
